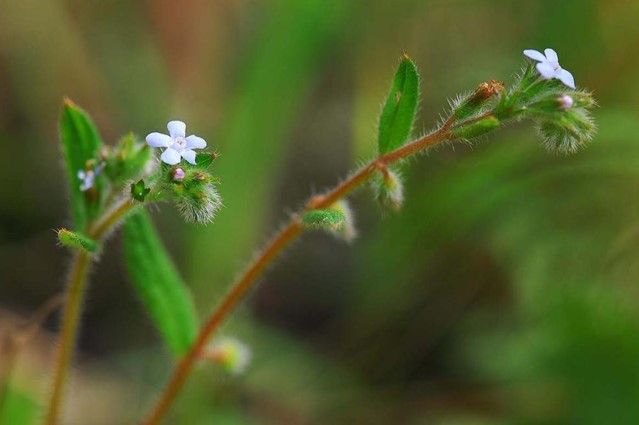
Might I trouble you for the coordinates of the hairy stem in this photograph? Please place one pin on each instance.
(285, 236)
(68, 334)
(74, 296)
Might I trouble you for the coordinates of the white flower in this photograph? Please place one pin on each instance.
(177, 145)
(549, 68)
(87, 178)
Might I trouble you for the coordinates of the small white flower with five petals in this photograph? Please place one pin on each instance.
(177, 145)
(549, 68)
(87, 178)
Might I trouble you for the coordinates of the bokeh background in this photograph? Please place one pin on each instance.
(505, 292)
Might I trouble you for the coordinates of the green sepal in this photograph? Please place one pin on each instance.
(476, 129)
(398, 113)
(139, 190)
(159, 285)
(204, 160)
(76, 240)
(80, 143)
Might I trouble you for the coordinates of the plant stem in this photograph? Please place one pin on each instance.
(68, 334)
(74, 296)
(285, 236)
(104, 225)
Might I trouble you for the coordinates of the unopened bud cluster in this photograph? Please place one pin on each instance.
(544, 93)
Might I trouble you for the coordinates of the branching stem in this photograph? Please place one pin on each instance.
(283, 238)
(74, 296)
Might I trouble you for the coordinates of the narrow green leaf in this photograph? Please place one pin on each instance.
(80, 143)
(398, 114)
(163, 293)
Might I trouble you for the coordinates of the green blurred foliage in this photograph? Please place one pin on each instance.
(504, 292)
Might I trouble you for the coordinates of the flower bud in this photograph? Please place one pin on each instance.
(473, 104)
(76, 240)
(476, 129)
(390, 191)
(337, 219)
(565, 102)
(178, 174)
(568, 132)
(230, 353)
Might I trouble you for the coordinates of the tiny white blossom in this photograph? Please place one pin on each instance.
(87, 178)
(177, 145)
(549, 68)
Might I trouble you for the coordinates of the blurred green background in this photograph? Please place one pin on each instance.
(505, 292)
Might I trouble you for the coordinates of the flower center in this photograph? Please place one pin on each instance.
(179, 143)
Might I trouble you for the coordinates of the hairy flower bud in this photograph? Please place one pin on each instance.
(76, 240)
(230, 353)
(390, 190)
(568, 132)
(337, 219)
(565, 102)
(473, 103)
(477, 128)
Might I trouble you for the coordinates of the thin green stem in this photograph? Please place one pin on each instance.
(280, 241)
(74, 296)
(68, 333)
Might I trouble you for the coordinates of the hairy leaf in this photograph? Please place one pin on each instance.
(80, 143)
(398, 114)
(163, 293)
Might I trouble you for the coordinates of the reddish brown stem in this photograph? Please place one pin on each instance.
(285, 236)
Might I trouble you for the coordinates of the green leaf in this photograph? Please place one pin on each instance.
(163, 293)
(17, 407)
(80, 143)
(398, 114)
(77, 240)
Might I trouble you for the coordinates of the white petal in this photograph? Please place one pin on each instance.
(194, 142)
(551, 55)
(189, 156)
(546, 70)
(176, 129)
(535, 55)
(170, 156)
(159, 140)
(566, 78)
(81, 175)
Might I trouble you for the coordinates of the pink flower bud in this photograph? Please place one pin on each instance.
(178, 175)
(565, 102)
